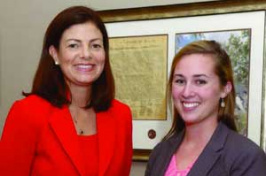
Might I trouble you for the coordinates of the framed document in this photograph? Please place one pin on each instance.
(139, 64)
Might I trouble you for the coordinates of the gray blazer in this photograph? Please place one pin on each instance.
(226, 154)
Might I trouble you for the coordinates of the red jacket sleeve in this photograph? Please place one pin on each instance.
(18, 142)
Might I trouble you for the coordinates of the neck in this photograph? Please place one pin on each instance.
(200, 133)
(80, 96)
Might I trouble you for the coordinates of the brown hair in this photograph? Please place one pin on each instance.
(49, 80)
(224, 71)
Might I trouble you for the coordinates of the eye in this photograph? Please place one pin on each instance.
(179, 81)
(73, 45)
(200, 82)
(96, 46)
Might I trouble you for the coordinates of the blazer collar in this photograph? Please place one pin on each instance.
(211, 152)
(63, 127)
(171, 146)
(106, 136)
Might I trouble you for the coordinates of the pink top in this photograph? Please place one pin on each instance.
(173, 171)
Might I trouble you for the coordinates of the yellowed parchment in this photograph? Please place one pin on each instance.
(139, 66)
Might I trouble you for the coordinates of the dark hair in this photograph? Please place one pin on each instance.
(49, 80)
(223, 70)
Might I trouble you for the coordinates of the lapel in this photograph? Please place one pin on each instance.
(63, 127)
(211, 153)
(106, 139)
(165, 155)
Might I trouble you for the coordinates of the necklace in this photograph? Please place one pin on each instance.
(80, 131)
(84, 121)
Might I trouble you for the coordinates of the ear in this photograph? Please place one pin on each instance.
(53, 53)
(226, 89)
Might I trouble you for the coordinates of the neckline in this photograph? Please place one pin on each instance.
(88, 136)
(182, 170)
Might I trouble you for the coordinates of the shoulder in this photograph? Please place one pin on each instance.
(33, 101)
(162, 154)
(119, 112)
(159, 149)
(116, 104)
(29, 108)
(241, 151)
(167, 147)
(157, 157)
(119, 108)
(170, 143)
(27, 115)
(232, 141)
(240, 143)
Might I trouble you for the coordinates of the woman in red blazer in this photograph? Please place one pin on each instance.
(70, 124)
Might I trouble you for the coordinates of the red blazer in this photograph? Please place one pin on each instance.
(40, 140)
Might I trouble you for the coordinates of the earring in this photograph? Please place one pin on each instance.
(222, 103)
(56, 63)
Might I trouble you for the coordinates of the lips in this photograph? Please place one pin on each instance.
(190, 105)
(84, 67)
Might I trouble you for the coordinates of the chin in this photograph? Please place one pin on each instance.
(190, 120)
(87, 79)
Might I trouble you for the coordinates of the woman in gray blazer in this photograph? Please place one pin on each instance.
(203, 140)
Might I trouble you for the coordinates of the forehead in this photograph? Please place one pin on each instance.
(196, 64)
(87, 29)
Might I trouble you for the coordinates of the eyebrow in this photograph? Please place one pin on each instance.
(201, 75)
(77, 40)
(196, 76)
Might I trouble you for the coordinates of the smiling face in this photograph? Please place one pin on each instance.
(196, 89)
(81, 54)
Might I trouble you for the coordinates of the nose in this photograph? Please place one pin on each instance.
(85, 52)
(188, 91)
